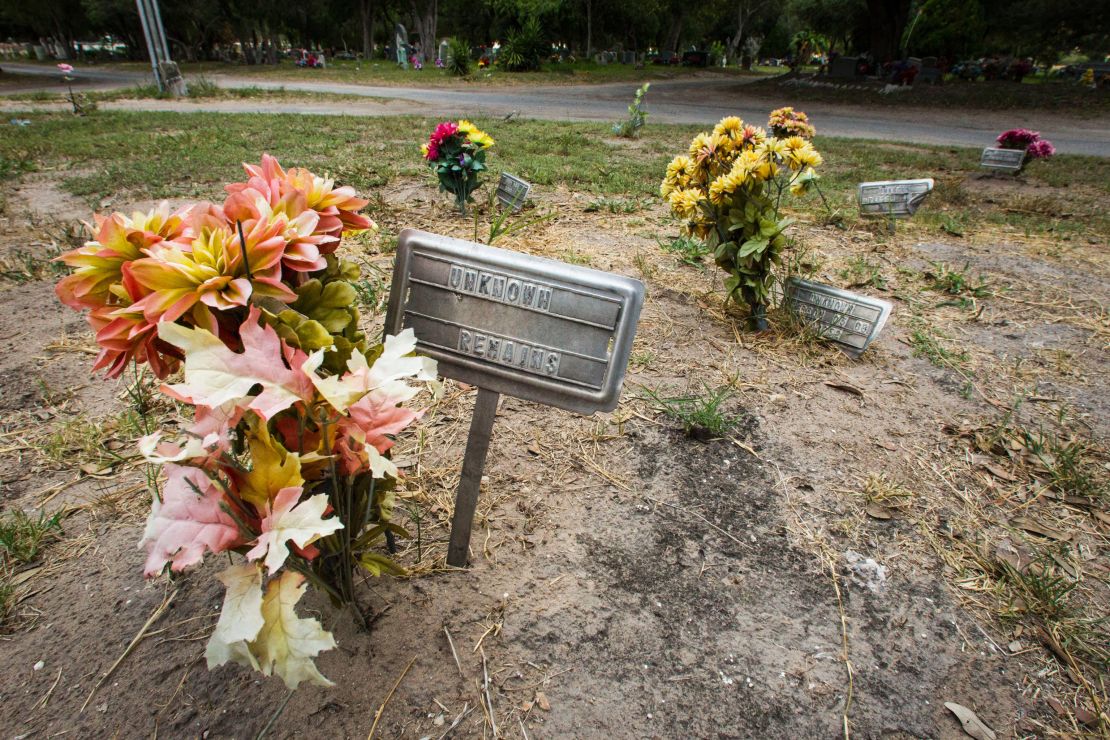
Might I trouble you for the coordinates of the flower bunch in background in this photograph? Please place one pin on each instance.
(727, 189)
(1022, 138)
(456, 152)
(286, 461)
(785, 122)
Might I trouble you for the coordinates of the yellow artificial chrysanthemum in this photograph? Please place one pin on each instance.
(684, 202)
(806, 156)
(480, 139)
(466, 127)
(747, 162)
(720, 190)
(795, 142)
(424, 149)
(700, 142)
(801, 185)
(772, 148)
(680, 168)
(731, 128)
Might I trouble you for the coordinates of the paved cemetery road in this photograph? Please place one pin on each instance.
(694, 100)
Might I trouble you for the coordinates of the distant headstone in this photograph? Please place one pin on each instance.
(849, 320)
(628, 57)
(512, 191)
(1003, 160)
(893, 198)
(401, 45)
(443, 50)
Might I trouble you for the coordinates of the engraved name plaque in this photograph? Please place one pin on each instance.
(851, 321)
(512, 191)
(526, 326)
(1003, 160)
(893, 198)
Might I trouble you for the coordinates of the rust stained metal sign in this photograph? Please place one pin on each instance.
(512, 191)
(512, 323)
(893, 198)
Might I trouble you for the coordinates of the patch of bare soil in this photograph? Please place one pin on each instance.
(832, 559)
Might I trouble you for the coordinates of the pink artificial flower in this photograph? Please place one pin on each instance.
(1040, 149)
(65, 68)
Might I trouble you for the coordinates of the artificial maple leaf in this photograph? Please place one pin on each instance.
(287, 520)
(187, 521)
(286, 644)
(274, 468)
(396, 362)
(240, 619)
(215, 375)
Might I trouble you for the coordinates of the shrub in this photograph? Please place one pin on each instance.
(637, 116)
(525, 48)
(458, 57)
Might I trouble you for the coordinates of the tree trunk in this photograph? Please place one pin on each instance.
(367, 11)
(425, 20)
(674, 33)
(887, 21)
(589, 29)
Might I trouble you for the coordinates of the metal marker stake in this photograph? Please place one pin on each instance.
(474, 461)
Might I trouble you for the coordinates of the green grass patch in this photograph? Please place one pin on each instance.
(22, 535)
(701, 415)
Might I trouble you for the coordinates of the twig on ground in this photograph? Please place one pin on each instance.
(381, 709)
(274, 717)
(134, 641)
(489, 700)
(42, 702)
(454, 654)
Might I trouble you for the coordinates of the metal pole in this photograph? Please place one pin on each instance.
(474, 461)
(161, 30)
(150, 46)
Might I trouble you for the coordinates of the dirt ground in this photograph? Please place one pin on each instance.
(827, 563)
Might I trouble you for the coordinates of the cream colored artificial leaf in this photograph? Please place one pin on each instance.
(287, 520)
(240, 618)
(385, 376)
(286, 644)
(215, 375)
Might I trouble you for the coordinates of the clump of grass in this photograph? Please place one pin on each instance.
(1067, 463)
(878, 489)
(78, 437)
(617, 205)
(370, 294)
(930, 343)
(202, 87)
(687, 250)
(22, 535)
(25, 266)
(956, 283)
(701, 416)
(862, 272)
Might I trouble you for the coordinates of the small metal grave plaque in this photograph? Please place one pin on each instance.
(512, 191)
(893, 198)
(850, 320)
(511, 323)
(1003, 160)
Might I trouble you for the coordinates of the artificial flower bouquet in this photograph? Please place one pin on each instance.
(456, 151)
(1022, 138)
(286, 461)
(727, 190)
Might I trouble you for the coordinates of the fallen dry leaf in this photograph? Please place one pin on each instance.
(542, 702)
(1030, 525)
(878, 511)
(972, 725)
(845, 387)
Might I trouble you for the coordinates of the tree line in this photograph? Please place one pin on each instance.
(255, 30)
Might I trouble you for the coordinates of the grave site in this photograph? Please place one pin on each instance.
(606, 479)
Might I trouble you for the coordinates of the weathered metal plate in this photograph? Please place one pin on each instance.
(512, 191)
(851, 321)
(1003, 160)
(525, 326)
(893, 198)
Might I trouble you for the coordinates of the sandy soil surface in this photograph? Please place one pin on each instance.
(627, 580)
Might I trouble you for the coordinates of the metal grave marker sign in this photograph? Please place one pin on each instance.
(511, 323)
(512, 191)
(851, 321)
(1003, 160)
(893, 198)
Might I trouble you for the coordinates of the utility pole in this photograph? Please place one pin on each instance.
(166, 73)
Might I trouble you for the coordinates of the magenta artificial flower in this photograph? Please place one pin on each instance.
(1040, 149)
(65, 68)
(1017, 138)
